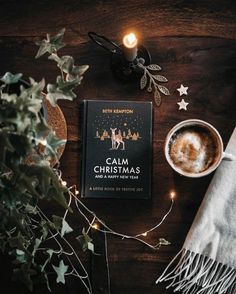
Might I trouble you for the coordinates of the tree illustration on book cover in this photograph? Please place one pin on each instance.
(117, 149)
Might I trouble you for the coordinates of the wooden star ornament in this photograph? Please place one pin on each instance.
(182, 90)
(182, 104)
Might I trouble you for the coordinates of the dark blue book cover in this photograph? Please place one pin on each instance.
(117, 149)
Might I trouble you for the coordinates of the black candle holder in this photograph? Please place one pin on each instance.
(123, 69)
(140, 69)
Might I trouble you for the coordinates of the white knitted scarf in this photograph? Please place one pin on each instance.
(207, 262)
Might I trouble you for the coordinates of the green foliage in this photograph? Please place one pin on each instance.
(71, 75)
(61, 270)
(9, 78)
(26, 177)
(84, 240)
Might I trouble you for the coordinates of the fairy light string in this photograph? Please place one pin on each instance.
(94, 222)
(97, 224)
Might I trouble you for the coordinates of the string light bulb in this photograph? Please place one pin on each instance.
(43, 142)
(64, 183)
(76, 192)
(144, 234)
(172, 194)
(95, 226)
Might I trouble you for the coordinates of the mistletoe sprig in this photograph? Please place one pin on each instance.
(151, 80)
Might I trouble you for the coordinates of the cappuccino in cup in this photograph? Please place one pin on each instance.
(194, 148)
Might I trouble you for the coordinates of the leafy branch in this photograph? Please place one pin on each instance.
(71, 74)
(151, 80)
(26, 177)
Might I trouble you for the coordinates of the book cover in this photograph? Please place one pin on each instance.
(117, 149)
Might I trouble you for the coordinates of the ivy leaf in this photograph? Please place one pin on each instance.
(26, 184)
(30, 209)
(60, 270)
(84, 240)
(42, 128)
(36, 89)
(51, 44)
(53, 143)
(58, 195)
(50, 253)
(153, 67)
(61, 225)
(9, 98)
(44, 228)
(143, 81)
(20, 256)
(66, 63)
(164, 242)
(36, 245)
(57, 221)
(57, 39)
(163, 90)
(91, 246)
(10, 78)
(65, 228)
(54, 57)
(160, 78)
(53, 97)
(79, 70)
(66, 86)
(18, 242)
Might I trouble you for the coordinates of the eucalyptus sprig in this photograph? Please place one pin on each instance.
(151, 80)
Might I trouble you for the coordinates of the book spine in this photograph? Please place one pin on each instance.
(83, 157)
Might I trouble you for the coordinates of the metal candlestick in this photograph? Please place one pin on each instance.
(123, 69)
(139, 69)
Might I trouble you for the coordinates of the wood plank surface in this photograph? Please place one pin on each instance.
(195, 44)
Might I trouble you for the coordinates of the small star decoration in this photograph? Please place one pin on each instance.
(182, 104)
(182, 90)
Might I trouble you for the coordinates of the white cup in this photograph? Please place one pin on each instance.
(220, 154)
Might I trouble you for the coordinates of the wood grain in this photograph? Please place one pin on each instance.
(195, 44)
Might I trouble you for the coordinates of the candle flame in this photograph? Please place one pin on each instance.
(130, 40)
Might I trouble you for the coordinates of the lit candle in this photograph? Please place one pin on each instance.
(130, 46)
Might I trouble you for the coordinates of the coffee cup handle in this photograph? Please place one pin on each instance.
(228, 156)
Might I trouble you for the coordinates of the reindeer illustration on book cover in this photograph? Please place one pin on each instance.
(116, 149)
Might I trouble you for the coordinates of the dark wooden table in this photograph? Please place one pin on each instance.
(194, 42)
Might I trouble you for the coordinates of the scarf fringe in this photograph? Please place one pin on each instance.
(198, 274)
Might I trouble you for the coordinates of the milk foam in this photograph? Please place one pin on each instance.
(192, 151)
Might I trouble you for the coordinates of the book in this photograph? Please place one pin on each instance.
(117, 149)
